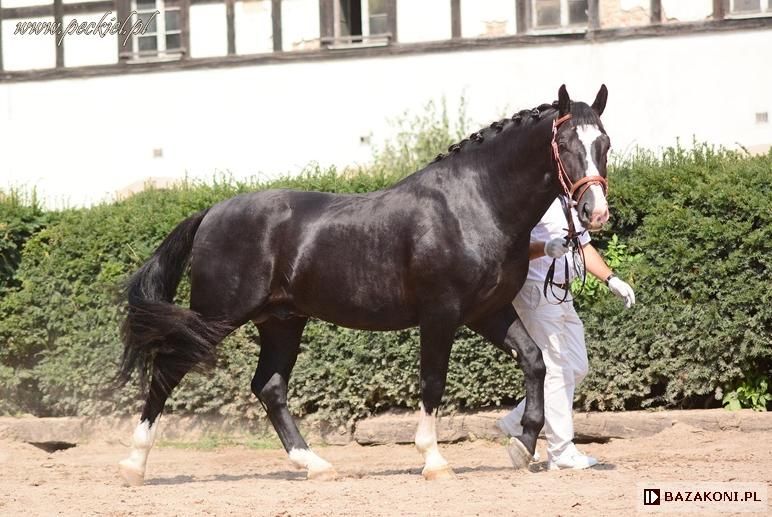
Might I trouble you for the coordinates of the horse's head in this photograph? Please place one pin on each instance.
(580, 146)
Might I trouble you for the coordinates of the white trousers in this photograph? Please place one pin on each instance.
(559, 333)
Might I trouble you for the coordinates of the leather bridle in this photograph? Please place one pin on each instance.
(570, 189)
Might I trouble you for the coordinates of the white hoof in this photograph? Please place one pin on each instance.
(519, 455)
(440, 473)
(328, 474)
(130, 474)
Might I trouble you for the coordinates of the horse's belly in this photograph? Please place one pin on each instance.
(373, 316)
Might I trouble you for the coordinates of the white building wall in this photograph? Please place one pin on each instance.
(253, 25)
(208, 30)
(300, 24)
(89, 49)
(27, 51)
(24, 3)
(274, 119)
(686, 10)
(423, 20)
(481, 18)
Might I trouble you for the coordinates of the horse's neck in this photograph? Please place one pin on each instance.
(522, 179)
(512, 180)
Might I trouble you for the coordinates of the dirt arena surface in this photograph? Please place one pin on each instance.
(380, 480)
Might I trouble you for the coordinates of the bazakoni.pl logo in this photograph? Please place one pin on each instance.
(651, 496)
(696, 496)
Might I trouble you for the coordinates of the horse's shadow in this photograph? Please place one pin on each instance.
(184, 478)
(287, 475)
(542, 467)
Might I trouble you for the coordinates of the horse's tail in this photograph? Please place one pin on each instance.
(154, 325)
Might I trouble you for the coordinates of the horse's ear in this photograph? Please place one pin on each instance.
(564, 101)
(600, 100)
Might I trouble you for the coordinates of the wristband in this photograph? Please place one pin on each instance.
(608, 278)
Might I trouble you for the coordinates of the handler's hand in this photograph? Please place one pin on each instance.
(623, 290)
(555, 248)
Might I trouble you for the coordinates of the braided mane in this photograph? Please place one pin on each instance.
(518, 119)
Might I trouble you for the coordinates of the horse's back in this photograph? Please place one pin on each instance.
(341, 258)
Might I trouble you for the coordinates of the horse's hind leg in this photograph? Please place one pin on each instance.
(168, 371)
(279, 347)
(132, 469)
(505, 330)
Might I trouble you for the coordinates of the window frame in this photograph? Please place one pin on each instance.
(331, 34)
(161, 52)
(565, 26)
(763, 10)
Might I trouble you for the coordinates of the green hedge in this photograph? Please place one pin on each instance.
(700, 223)
(693, 227)
(21, 216)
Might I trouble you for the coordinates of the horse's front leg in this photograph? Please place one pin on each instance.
(436, 340)
(505, 330)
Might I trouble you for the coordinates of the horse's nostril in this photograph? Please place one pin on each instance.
(585, 211)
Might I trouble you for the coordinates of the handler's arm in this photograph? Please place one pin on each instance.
(536, 250)
(595, 264)
(598, 268)
(554, 248)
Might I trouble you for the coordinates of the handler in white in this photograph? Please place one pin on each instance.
(559, 333)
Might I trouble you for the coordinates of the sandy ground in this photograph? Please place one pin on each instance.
(382, 480)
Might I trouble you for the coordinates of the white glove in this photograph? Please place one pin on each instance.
(555, 248)
(623, 290)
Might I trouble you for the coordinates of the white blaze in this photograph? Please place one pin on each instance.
(587, 135)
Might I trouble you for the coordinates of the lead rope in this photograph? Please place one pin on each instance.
(577, 255)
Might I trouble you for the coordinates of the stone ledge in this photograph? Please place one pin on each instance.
(389, 428)
(400, 427)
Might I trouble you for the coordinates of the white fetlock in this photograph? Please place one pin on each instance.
(316, 467)
(435, 466)
(132, 469)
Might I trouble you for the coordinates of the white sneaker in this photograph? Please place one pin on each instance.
(572, 459)
(512, 430)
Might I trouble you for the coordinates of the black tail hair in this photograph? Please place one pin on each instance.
(154, 325)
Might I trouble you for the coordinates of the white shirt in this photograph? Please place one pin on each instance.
(553, 224)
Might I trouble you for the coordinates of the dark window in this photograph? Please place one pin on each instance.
(577, 12)
(550, 14)
(747, 6)
(357, 22)
(378, 17)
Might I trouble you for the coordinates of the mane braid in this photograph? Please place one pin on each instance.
(497, 127)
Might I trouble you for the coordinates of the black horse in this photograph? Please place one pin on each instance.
(444, 247)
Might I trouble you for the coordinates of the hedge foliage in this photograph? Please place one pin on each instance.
(692, 229)
(21, 216)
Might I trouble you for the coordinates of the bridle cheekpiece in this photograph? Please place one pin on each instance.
(570, 189)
